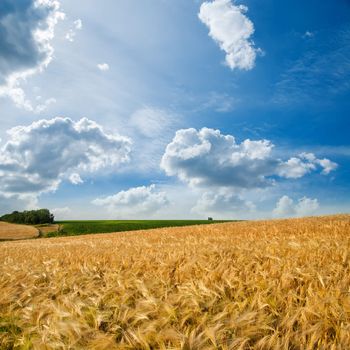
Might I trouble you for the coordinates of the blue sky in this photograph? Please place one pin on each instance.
(175, 109)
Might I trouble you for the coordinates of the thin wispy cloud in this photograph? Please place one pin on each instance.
(316, 75)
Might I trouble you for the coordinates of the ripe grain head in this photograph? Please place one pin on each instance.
(281, 284)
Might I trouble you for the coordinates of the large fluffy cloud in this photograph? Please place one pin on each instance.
(231, 29)
(208, 158)
(26, 30)
(135, 202)
(37, 157)
(286, 207)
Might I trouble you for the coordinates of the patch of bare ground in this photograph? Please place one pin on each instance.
(45, 229)
(280, 284)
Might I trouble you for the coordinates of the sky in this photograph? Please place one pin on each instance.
(185, 109)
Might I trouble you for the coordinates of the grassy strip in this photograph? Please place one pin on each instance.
(75, 228)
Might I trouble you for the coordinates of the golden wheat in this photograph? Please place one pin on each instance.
(14, 231)
(282, 284)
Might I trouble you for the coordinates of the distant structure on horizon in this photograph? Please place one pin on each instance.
(210, 218)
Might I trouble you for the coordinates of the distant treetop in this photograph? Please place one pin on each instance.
(29, 217)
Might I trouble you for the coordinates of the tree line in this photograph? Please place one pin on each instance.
(29, 217)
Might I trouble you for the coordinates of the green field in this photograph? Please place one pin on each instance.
(74, 228)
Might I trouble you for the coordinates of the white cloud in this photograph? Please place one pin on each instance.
(136, 202)
(37, 157)
(327, 165)
(223, 203)
(103, 67)
(207, 158)
(152, 128)
(219, 102)
(297, 167)
(75, 179)
(285, 207)
(27, 29)
(308, 34)
(19, 98)
(61, 213)
(306, 206)
(231, 29)
(151, 122)
(20, 202)
(77, 25)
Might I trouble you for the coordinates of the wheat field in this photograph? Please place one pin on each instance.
(14, 231)
(281, 284)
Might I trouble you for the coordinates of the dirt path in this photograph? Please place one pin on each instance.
(14, 231)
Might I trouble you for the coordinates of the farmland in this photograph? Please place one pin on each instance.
(13, 231)
(73, 228)
(280, 284)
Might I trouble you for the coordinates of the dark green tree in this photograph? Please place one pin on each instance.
(29, 217)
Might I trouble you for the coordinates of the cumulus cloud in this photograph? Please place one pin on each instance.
(327, 165)
(297, 167)
(27, 28)
(103, 67)
(77, 25)
(222, 203)
(208, 158)
(134, 202)
(37, 157)
(286, 207)
(231, 29)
